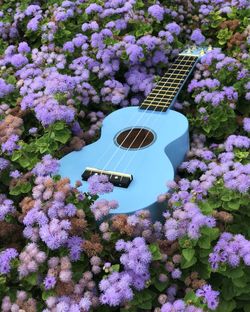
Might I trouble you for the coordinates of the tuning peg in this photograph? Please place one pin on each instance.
(193, 47)
(202, 52)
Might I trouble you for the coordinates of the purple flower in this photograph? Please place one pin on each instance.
(209, 296)
(74, 245)
(173, 28)
(176, 274)
(15, 174)
(4, 163)
(10, 145)
(6, 207)
(33, 130)
(246, 124)
(99, 184)
(93, 7)
(197, 36)
(230, 249)
(49, 282)
(156, 11)
(46, 167)
(5, 259)
(18, 60)
(116, 289)
(102, 207)
(5, 88)
(85, 304)
(23, 47)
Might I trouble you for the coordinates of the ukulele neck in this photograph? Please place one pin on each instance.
(164, 94)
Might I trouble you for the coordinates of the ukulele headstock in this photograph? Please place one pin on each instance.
(196, 51)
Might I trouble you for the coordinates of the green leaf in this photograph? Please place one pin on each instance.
(31, 279)
(59, 125)
(228, 291)
(115, 267)
(234, 273)
(187, 264)
(26, 187)
(146, 305)
(155, 251)
(47, 294)
(204, 242)
(226, 306)
(159, 285)
(188, 254)
(240, 282)
(24, 162)
(233, 205)
(62, 136)
(191, 298)
(16, 155)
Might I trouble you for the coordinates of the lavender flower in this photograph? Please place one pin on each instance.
(6, 207)
(10, 145)
(99, 184)
(4, 163)
(49, 282)
(46, 167)
(156, 11)
(246, 124)
(209, 296)
(5, 259)
(230, 249)
(197, 36)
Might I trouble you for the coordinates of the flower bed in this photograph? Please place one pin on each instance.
(65, 65)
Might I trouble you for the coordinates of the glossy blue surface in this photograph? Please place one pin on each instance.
(151, 166)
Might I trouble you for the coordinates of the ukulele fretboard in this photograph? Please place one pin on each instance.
(169, 85)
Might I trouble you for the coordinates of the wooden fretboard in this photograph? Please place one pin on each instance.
(161, 97)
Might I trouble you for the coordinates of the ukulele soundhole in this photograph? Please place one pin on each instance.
(135, 138)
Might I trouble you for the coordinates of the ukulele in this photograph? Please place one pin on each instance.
(140, 147)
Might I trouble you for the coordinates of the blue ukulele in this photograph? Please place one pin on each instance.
(140, 147)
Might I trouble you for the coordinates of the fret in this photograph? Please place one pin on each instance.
(162, 96)
(154, 105)
(158, 105)
(184, 65)
(174, 70)
(172, 75)
(154, 102)
(161, 109)
(157, 91)
(175, 79)
(188, 62)
(165, 85)
(161, 93)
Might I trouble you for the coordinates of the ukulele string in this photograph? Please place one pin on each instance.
(111, 145)
(134, 127)
(128, 164)
(150, 116)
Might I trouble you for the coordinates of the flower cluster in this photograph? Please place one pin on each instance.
(30, 259)
(230, 249)
(209, 296)
(5, 259)
(6, 206)
(186, 220)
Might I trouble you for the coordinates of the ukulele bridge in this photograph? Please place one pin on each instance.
(116, 178)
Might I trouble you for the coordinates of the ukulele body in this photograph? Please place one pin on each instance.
(152, 166)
